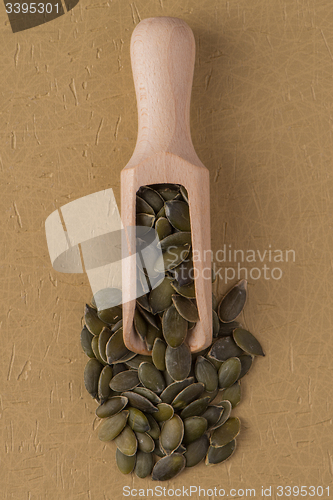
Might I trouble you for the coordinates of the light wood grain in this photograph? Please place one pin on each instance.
(162, 55)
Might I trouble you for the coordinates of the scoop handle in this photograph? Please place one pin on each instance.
(162, 56)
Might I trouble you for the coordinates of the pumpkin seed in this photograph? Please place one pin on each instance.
(150, 318)
(175, 240)
(187, 395)
(184, 273)
(125, 463)
(160, 298)
(111, 316)
(181, 449)
(92, 372)
(214, 302)
(147, 393)
(174, 327)
(145, 442)
(139, 401)
(158, 354)
(178, 361)
(196, 451)
(186, 308)
(226, 329)
(144, 464)
(137, 420)
(195, 408)
(125, 381)
(118, 368)
(246, 341)
(142, 207)
(140, 325)
(161, 213)
(229, 372)
(194, 428)
(126, 441)
(246, 363)
(226, 432)
(94, 346)
(104, 391)
(152, 334)
(163, 228)
(155, 430)
(115, 348)
(112, 406)
(232, 394)
(171, 391)
(144, 302)
(171, 258)
(205, 372)
(184, 193)
(212, 415)
(220, 454)
(86, 338)
(186, 290)
(178, 215)
(151, 377)
(165, 412)
(171, 434)
(144, 220)
(227, 407)
(103, 339)
(137, 360)
(92, 321)
(233, 302)
(111, 427)
(168, 191)
(152, 197)
(168, 467)
(224, 348)
(216, 324)
(158, 450)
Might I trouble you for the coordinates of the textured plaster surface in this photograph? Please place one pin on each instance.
(261, 120)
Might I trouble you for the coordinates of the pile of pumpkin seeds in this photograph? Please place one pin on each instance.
(172, 409)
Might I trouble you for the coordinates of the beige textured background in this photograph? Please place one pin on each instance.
(261, 119)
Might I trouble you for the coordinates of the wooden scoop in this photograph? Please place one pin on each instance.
(162, 56)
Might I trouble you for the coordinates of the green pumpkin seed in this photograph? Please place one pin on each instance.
(158, 355)
(152, 197)
(181, 449)
(196, 451)
(167, 191)
(194, 428)
(145, 442)
(246, 341)
(171, 391)
(216, 324)
(125, 463)
(152, 334)
(158, 450)
(155, 430)
(187, 395)
(227, 407)
(115, 348)
(195, 408)
(175, 240)
(112, 406)
(86, 338)
(168, 467)
(147, 393)
(103, 339)
(92, 321)
(213, 415)
(214, 361)
(224, 348)
(184, 193)
(246, 363)
(126, 441)
(165, 412)
(178, 361)
(174, 327)
(161, 213)
(151, 377)
(144, 464)
(229, 372)
(92, 372)
(210, 394)
(104, 391)
(145, 220)
(171, 434)
(149, 318)
(144, 302)
(214, 302)
(232, 394)
(125, 381)
(226, 432)
(137, 360)
(127, 357)
(94, 346)
(186, 290)
(226, 329)
(140, 325)
(137, 420)
(110, 316)
(118, 368)
(218, 455)
(177, 213)
(163, 228)
(142, 207)
(205, 372)
(139, 401)
(186, 308)
(184, 273)
(160, 298)
(233, 302)
(111, 427)
(116, 326)
(171, 258)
